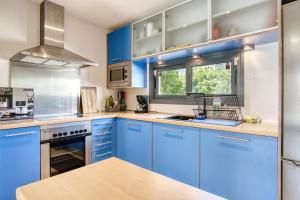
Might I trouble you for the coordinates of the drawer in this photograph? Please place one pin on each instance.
(102, 154)
(103, 143)
(102, 124)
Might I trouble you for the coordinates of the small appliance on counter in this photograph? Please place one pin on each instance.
(16, 103)
(143, 104)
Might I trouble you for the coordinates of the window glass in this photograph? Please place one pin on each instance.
(212, 79)
(172, 82)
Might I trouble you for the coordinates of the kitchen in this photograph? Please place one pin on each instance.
(194, 104)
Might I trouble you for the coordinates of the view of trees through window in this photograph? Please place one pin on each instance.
(212, 79)
(208, 79)
(172, 82)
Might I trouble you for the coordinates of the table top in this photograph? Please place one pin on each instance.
(111, 179)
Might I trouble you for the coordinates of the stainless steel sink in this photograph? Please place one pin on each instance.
(181, 118)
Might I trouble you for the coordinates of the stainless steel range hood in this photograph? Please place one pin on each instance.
(51, 52)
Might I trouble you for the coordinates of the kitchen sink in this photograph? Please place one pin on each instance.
(222, 122)
(181, 118)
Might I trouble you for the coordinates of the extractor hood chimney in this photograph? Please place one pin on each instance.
(51, 51)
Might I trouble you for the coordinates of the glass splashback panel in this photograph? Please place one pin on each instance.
(56, 90)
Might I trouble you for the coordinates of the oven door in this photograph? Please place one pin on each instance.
(65, 154)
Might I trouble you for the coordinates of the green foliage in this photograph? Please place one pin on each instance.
(172, 82)
(211, 80)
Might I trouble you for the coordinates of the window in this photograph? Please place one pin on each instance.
(215, 74)
(172, 82)
(212, 79)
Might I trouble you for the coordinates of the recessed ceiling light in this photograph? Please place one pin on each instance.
(248, 47)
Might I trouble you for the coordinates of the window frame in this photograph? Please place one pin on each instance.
(188, 63)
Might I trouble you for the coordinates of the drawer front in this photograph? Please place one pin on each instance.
(102, 154)
(176, 152)
(101, 124)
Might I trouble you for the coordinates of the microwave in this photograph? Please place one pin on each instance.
(119, 75)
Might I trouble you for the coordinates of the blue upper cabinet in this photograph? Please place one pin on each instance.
(119, 45)
(103, 139)
(134, 142)
(238, 166)
(19, 159)
(176, 152)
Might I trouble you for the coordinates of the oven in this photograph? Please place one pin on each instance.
(65, 147)
(119, 75)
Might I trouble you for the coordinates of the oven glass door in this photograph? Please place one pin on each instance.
(67, 154)
(117, 74)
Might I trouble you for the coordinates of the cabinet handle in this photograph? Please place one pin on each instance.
(134, 124)
(103, 154)
(102, 144)
(106, 123)
(293, 163)
(116, 59)
(105, 133)
(20, 134)
(173, 130)
(233, 138)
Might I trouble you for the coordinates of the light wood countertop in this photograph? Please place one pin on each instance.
(112, 179)
(263, 129)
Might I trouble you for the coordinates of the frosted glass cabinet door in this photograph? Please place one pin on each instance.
(147, 36)
(187, 24)
(234, 17)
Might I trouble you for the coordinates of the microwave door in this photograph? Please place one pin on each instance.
(117, 75)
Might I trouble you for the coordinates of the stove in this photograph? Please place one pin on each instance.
(65, 147)
(56, 117)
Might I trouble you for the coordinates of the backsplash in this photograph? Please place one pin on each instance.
(261, 68)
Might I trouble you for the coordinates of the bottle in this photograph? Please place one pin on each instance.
(111, 101)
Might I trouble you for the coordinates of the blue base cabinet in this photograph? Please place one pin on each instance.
(176, 152)
(19, 159)
(134, 142)
(103, 139)
(238, 166)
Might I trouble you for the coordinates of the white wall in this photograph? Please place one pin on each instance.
(261, 86)
(19, 25)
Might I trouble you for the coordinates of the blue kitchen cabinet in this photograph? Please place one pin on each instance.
(19, 159)
(238, 166)
(134, 142)
(103, 139)
(176, 152)
(119, 45)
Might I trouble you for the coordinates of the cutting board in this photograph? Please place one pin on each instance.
(88, 99)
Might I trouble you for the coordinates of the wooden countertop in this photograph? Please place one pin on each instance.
(263, 129)
(112, 179)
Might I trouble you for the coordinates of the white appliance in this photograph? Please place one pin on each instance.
(291, 102)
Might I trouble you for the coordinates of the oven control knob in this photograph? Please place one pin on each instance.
(65, 133)
(85, 130)
(81, 131)
(72, 132)
(59, 134)
(76, 132)
(54, 135)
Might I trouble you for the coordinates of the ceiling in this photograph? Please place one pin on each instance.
(113, 13)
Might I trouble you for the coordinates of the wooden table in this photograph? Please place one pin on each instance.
(112, 179)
